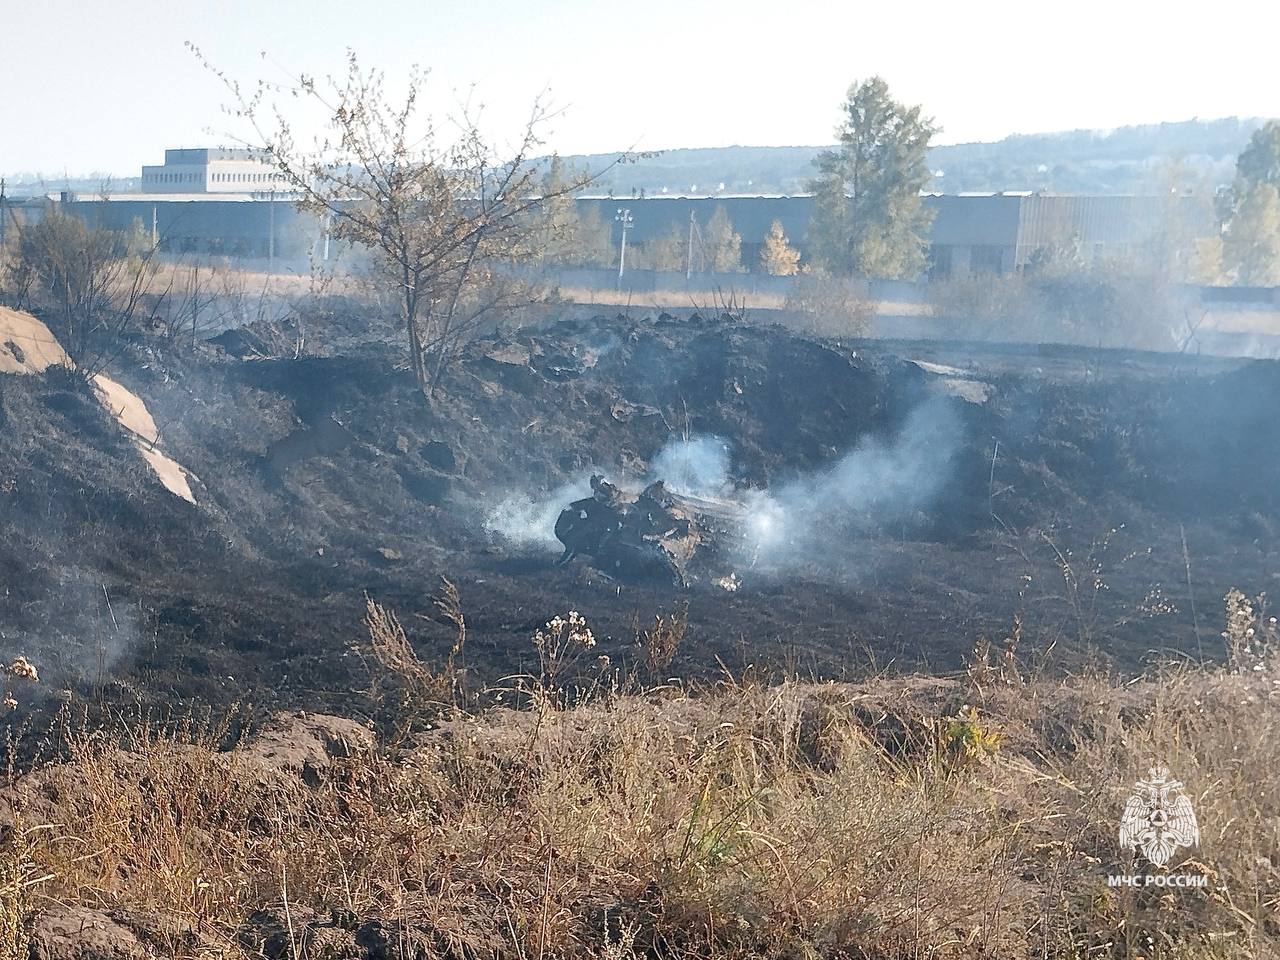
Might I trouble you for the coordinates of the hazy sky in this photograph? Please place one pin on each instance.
(106, 85)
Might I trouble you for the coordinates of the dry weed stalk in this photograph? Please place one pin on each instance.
(391, 647)
(1252, 638)
(420, 686)
(561, 643)
(660, 642)
(1006, 670)
(19, 880)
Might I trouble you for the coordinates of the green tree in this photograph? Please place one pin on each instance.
(559, 226)
(566, 236)
(868, 216)
(1184, 243)
(1251, 244)
(1251, 238)
(777, 257)
(1259, 162)
(724, 245)
(1206, 262)
(595, 239)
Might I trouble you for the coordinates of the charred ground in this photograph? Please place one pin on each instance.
(1075, 480)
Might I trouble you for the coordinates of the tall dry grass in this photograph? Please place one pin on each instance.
(972, 816)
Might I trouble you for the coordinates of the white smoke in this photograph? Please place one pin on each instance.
(811, 519)
(529, 520)
(809, 522)
(697, 466)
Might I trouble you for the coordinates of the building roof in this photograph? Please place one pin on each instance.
(189, 155)
(264, 195)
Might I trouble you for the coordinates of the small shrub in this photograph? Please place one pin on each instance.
(830, 306)
(967, 739)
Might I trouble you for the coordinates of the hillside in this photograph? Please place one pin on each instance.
(1125, 160)
(899, 510)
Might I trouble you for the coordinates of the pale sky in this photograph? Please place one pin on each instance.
(107, 85)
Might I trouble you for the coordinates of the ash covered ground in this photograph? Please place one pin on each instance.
(903, 500)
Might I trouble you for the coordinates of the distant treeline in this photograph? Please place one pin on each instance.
(1137, 159)
(35, 184)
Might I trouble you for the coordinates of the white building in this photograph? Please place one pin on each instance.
(212, 170)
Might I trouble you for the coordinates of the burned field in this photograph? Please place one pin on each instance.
(896, 504)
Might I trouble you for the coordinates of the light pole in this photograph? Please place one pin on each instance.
(624, 217)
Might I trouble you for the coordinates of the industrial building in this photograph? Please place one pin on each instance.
(215, 170)
(230, 202)
(970, 233)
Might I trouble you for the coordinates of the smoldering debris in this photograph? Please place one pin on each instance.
(804, 524)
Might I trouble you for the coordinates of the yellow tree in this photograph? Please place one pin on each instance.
(667, 251)
(724, 245)
(777, 257)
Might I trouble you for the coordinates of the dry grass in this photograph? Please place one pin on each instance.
(898, 817)
(656, 300)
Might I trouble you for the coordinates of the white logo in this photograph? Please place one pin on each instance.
(1158, 818)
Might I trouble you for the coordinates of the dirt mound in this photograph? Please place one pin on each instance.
(950, 494)
(81, 933)
(26, 344)
(30, 348)
(305, 744)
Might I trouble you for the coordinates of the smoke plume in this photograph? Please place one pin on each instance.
(697, 466)
(880, 482)
(805, 523)
(528, 520)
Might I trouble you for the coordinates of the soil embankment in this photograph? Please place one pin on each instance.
(925, 494)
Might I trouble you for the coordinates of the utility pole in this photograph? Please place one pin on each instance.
(688, 250)
(3, 209)
(271, 233)
(695, 232)
(624, 217)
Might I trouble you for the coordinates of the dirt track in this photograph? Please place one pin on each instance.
(327, 477)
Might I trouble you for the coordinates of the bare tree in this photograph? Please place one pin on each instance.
(439, 211)
(90, 282)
